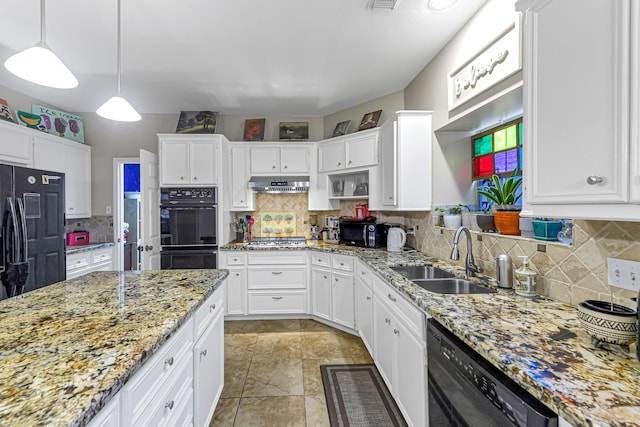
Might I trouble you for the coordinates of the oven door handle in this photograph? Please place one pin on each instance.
(187, 207)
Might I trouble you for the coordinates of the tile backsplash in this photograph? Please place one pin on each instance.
(100, 228)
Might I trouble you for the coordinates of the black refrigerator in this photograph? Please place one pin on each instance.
(32, 234)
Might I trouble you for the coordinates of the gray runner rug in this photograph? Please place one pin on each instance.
(358, 397)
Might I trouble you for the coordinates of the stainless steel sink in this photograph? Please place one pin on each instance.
(422, 272)
(452, 286)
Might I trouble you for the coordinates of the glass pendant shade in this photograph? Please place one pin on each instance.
(117, 108)
(441, 4)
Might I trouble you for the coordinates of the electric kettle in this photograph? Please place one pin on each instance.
(396, 238)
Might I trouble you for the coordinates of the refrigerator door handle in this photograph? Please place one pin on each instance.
(15, 250)
(23, 226)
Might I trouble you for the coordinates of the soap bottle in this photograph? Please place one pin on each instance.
(525, 279)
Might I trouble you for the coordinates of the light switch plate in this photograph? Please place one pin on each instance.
(623, 274)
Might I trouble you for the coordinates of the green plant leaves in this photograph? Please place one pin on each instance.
(503, 194)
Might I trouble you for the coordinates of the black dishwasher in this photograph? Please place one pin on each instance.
(466, 390)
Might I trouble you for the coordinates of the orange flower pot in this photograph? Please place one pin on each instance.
(507, 222)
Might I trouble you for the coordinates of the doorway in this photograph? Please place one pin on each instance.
(126, 221)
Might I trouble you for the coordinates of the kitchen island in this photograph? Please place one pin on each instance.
(67, 349)
(537, 342)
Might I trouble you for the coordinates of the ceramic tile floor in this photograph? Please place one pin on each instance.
(272, 372)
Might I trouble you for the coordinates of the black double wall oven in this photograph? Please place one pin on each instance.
(188, 224)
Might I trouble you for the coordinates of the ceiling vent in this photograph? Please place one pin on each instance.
(383, 4)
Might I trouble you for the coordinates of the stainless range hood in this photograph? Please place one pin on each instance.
(279, 184)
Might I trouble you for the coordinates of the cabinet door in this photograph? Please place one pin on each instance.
(265, 160)
(294, 160)
(383, 339)
(203, 162)
(410, 380)
(174, 163)
(321, 293)
(208, 379)
(15, 145)
(49, 154)
(577, 109)
(331, 157)
(343, 299)
(236, 292)
(362, 151)
(240, 193)
(77, 181)
(364, 313)
(389, 162)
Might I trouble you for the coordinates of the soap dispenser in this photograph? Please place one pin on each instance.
(525, 279)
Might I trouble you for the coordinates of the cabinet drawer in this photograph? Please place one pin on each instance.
(101, 255)
(275, 278)
(170, 401)
(342, 262)
(364, 273)
(278, 258)
(321, 258)
(412, 317)
(158, 372)
(235, 258)
(277, 302)
(208, 310)
(78, 261)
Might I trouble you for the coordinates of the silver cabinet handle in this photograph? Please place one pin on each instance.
(195, 177)
(182, 177)
(241, 201)
(339, 163)
(387, 321)
(237, 274)
(349, 161)
(70, 208)
(395, 331)
(169, 361)
(211, 308)
(273, 167)
(148, 248)
(285, 166)
(363, 273)
(390, 197)
(203, 352)
(276, 298)
(594, 179)
(169, 405)
(336, 279)
(276, 272)
(368, 298)
(392, 298)
(324, 277)
(342, 264)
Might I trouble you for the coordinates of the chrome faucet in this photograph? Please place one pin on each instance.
(470, 266)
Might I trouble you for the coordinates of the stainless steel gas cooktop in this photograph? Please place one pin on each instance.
(295, 241)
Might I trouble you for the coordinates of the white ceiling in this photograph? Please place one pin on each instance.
(247, 57)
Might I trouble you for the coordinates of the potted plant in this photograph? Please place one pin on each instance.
(453, 219)
(486, 221)
(505, 196)
(546, 228)
(436, 216)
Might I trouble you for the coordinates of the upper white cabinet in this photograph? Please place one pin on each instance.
(405, 163)
(242, 197)
(349, 151)
(284, 160)
(189, 160)
(581, 109)
(74, 160)
(15, 145)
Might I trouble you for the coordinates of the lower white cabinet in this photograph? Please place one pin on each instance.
(364, 305)
(400, 352)
(81, 263)
(332, 288)
(109, 416)
(235, 262)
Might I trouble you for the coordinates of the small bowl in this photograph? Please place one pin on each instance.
(608, 322)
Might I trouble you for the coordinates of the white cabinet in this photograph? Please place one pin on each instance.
(400, 351)
(74, 160)
(81, 263)
(109, 416)
(192, 160)
(333, 290)
(15, 145)
(364, 305)
(581, 112)
(280, 160)
(208, 358)
(405, 162)
(348, 152)
(235, 261)
(242, 198)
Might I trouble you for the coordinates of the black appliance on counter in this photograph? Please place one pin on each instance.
(188, 224)
(466, 390)
(32, 235)
(364, 233)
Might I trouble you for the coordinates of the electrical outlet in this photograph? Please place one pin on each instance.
(108, 210)
(623, 274)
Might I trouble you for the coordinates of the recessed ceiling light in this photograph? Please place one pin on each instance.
(441, 4)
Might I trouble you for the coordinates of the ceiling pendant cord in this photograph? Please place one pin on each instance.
(43, 32)
(117, 108)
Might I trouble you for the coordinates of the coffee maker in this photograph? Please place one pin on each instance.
(332, 226)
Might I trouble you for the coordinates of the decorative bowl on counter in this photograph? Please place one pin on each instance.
(608, 322)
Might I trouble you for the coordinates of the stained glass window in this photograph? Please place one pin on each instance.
(497, 150)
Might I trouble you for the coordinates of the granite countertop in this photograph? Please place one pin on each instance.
(90, 247)
(538, 342)
(66, 349)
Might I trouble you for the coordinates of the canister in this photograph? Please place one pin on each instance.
(504, 271)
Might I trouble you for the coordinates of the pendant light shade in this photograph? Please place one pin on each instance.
(40, 65)
(117, 108)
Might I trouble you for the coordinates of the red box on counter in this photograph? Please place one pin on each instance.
(78, 238)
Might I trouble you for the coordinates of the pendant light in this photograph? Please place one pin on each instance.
(117, 108)
(40, 65)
